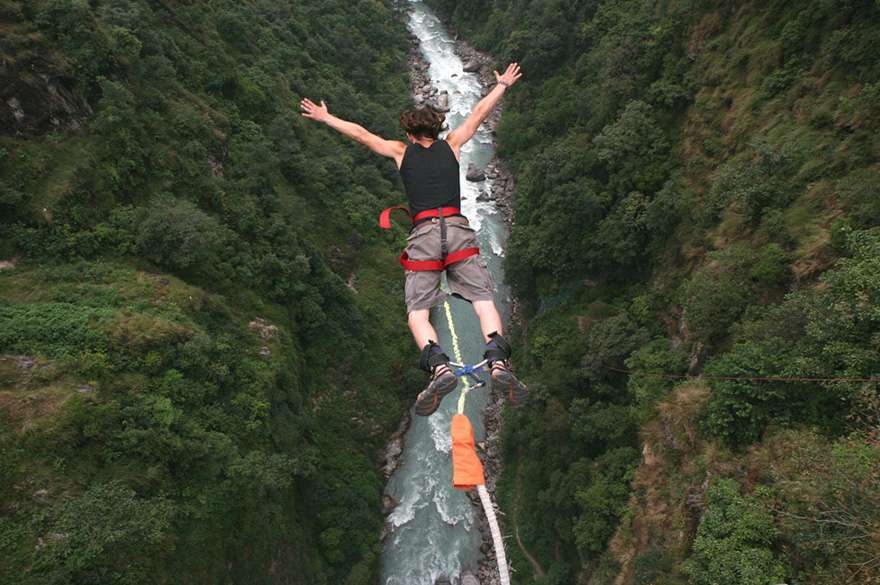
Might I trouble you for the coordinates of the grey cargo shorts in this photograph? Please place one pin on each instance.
(468, 279)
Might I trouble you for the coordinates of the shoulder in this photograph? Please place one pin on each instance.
(400, 153)
(453, 147)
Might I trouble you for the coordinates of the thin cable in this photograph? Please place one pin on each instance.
(744, 378)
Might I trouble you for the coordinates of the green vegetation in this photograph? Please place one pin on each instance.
(198, 362)
(734, 542)
(696, 195)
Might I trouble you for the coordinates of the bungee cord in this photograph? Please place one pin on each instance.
(467, 470)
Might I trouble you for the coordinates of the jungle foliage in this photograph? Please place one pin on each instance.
(196, 342)
(697, 194)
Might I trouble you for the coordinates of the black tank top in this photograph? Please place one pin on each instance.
(430, 176)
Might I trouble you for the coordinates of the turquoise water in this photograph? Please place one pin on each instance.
(435, 527)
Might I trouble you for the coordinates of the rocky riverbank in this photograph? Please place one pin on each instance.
(497, 170)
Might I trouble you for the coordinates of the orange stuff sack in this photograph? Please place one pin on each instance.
(467, 471)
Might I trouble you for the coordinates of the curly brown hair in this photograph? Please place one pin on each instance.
(423, 121)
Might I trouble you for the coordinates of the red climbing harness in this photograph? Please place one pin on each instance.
(385, 216)
(429, 265)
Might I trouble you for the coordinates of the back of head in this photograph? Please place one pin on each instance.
(422, 122)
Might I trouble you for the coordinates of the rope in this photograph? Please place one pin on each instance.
(744, 378)
(485, 499)
(456, 350)
(489, 510)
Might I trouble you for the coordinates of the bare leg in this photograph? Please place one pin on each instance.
(490, 320)
(420, 325)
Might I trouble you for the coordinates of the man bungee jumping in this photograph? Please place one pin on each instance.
(440, 239)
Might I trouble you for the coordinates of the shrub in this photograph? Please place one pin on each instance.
(828, 505)
(609, 342)
(649, 366)
(753, 182)
(716, 294)
(635, 150)
(771, 268)
(177, 234)
(734, 543)
(740, 410)
(603, 499)
(105, 535)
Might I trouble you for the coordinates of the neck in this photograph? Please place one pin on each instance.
(424, 141)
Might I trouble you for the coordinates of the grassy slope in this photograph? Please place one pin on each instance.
(152, 429)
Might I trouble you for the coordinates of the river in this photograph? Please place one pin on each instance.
(434, 526)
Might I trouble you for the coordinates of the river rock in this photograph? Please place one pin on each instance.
(474, 174)
(387, 529)
(388, 504)
(469, 579)
(483, 196)
(24, 362)
(471, 66)
(392, 454)
(264, 328)
(443, 101)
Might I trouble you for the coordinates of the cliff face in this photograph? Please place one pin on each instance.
(199, 363)
(694, 246)
(37, 95)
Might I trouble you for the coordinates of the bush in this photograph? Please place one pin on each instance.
(635, 150)
(754, 182)
(771, 267)
(105, 535)
(649, 367)
(740, 410)
(828, 504)
(177, 234)
(603, 500)
(734, 543)
(716, 294)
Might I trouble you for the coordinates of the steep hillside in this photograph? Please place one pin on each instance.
(199, 361)
(697, 217)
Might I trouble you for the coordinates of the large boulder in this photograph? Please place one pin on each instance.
(469, 579)
(472, 66)
(474, 174)
(443, 101)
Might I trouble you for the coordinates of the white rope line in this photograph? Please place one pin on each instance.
(497, 541)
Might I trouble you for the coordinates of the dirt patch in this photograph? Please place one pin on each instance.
(28, 409)
(9, 264)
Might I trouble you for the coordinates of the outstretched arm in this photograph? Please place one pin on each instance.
(466, 131)
(389, 148)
